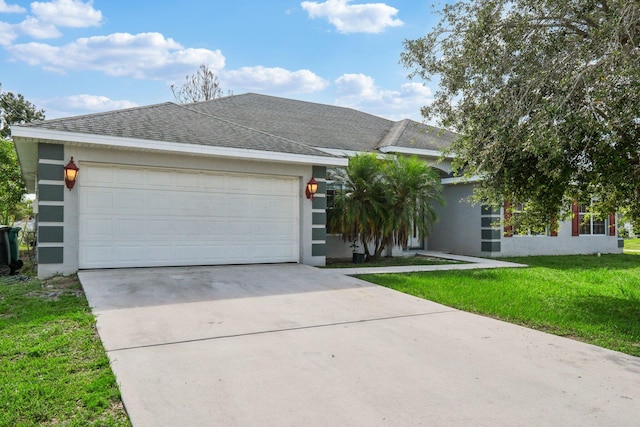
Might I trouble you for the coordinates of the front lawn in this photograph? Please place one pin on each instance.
(53, 368)
(632, 244)
(589, 298)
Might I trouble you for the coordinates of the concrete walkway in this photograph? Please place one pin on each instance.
(292, 345)
(472, 263)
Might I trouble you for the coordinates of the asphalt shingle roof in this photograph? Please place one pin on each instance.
(256, 122)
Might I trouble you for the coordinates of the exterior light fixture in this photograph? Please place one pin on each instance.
(311, 189)
(70, 174)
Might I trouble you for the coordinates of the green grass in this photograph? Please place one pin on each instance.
(390, 261)
(588, 298)
(632, 244)
(53, 368)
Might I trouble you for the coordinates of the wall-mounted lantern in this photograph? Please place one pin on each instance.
(311, 189)
(70, 174)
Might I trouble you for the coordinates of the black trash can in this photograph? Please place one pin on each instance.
(14, 244)
(5, 249)
(358, 258)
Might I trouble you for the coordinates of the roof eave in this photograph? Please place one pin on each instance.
(30, 132)
(415, 151)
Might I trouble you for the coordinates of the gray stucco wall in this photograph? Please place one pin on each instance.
(458, 229)
(562, 244)
(470, 230)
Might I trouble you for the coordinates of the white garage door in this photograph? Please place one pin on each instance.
(147, 217)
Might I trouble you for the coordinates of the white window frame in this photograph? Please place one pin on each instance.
(519, 209)
(586, 223)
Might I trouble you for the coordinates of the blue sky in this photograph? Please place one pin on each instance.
(75, 57)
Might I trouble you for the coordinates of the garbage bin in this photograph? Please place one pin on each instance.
(9, 250)
(5, 250)
(14, 244)
(358, 258)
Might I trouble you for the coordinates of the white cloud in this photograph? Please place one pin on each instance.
(76, 105)
(144, 56)
(7, 34)
(47, 17)
(11, 8)
(358, 18)
(273, 80)
(67, 13)
(40, 30)
(360, 92)
(94, 103)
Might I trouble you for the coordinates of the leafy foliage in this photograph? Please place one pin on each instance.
(546, 96)
(14, 109)
(381, 201)
(12, 187)
(201, 86)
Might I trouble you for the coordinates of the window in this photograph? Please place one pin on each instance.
(516, 227)
(590, 225)
(520, 230)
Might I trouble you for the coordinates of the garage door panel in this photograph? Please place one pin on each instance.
(130, 177)
(187, 229)
(238, 183)
(283, 205)
(188, 181)
(213, 182)
(285, 229)
(160, 179)
(263, 185)
(97, 176)
(98, 256)
(96, 228)
(156, 217)
(97, 201)
(211, 229)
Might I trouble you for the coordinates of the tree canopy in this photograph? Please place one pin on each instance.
(381, 201)
(201, 86)
(546, 97)
(14, 109)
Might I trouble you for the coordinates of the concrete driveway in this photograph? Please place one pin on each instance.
(292, 345)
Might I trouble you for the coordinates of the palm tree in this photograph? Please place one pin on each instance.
(358, 213)
(413, 188)
(381, 201)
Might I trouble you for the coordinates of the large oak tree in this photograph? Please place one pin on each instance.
(546, 97)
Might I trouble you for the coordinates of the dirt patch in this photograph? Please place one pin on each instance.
(57, 286)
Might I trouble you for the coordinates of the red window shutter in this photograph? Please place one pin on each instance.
(508, 228)
(612, 224)
(554, 228)
(575, 221)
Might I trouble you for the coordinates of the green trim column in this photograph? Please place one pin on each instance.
(319, 214)
(50, 199)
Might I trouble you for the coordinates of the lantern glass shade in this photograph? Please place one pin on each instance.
(312, 188)
(70, 174)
